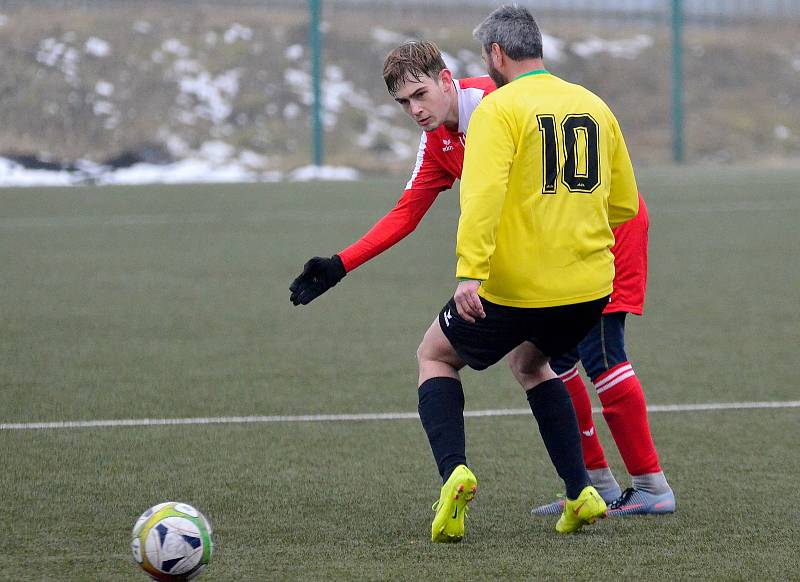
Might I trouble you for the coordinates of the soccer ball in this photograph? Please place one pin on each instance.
(172, 542)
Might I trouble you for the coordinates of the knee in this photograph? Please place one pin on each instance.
(421, 352)
(515, 364)
(426, 350)
(523, 368)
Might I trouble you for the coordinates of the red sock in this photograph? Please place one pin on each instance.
(625, 412)
(593, 456)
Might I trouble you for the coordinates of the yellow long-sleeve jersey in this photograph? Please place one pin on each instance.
(546, 176)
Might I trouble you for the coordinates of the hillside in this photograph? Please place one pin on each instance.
(230, 84)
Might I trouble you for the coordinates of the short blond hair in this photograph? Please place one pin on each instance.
(412, 60)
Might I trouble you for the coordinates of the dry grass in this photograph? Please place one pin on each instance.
(741, 82)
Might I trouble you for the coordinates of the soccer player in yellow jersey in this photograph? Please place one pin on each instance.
(546, 176)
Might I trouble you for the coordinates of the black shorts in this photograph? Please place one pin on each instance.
(553, 330)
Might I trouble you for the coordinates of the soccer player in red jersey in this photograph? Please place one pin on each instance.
(602, 354)
(442, 107)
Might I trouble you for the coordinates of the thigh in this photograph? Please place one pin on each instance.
(488, 340)
(604, 346)
(565, 362)
(435, 347)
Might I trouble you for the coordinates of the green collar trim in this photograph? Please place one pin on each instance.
(531, 73)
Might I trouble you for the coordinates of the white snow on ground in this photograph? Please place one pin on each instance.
(621, 49)
(175, 47)
(214, 94)
(337, 92)
(237, 32)
(3, 19)
(104, 88)
(294, 52)
(184, 172)
(97, 47)
(50, 52)
(553, 48)
(384, 36)
(12, 174)
(203, 95)
(782, 132)
(142, 27)
(193, 170)
(307, 173)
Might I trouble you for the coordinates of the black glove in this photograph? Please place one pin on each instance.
(319, 275)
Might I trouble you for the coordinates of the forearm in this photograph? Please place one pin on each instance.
(401, 221)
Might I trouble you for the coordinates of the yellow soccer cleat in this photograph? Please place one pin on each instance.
(585, 510)
(460, 489)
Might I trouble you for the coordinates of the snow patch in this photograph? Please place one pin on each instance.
(13, 174)
(175, 47)
(237, 32)
(333, 173)
(385, 36)
(189, 171)
(50, 51)
(337, 93)
(104, 88)
(214, 94)
(553, 48)
(782, 132)
(142, 27)
(97, 47)
(294, 52)
(620, 49)
(3, 19)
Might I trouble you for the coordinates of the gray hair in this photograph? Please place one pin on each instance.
(514, 29)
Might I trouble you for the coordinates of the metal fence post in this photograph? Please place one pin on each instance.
(677, 81)
(315, 39)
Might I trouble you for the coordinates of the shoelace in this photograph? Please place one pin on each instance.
(622, 499)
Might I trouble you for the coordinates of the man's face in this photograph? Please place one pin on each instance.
(425, 101)
(496, 76)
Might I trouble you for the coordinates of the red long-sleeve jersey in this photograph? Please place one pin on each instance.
(439, 161)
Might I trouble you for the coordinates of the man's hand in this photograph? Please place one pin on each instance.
(319, 274)
(468, 303)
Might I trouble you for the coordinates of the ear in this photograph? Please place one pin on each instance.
(497, 55)
(445, 78)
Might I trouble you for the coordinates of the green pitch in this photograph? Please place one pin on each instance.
(172, 302)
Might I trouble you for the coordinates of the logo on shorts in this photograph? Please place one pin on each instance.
(447, 318)
(588, 433)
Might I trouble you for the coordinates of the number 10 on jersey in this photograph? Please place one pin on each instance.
(577, 161)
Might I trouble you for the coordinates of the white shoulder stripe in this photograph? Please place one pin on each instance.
(468, 100)
(420, 157)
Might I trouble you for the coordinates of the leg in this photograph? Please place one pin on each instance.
(441, 410)
(552, 408)
(594, 459)
(624, 406)
(593, 456)
(441, 400)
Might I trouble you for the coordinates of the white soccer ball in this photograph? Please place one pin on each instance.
(172, 542)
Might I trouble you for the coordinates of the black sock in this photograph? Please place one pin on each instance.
(441, 410)
(558, 426)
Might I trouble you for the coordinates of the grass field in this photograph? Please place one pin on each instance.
(172, 302)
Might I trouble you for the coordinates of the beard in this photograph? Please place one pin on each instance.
(495, 75)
